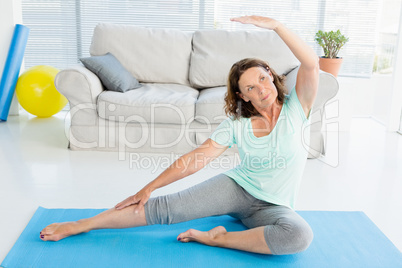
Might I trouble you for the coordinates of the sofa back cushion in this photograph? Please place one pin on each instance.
(215, 51)
(150, 55)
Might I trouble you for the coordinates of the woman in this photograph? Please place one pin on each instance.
(261, 195)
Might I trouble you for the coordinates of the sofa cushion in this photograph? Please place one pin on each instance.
(110, 71)
(209, 108)
(215, 51)
(150, 55)
(156, 103)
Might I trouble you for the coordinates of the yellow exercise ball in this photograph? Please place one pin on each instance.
(36, 91)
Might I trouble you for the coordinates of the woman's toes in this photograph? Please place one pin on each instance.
(43, 233)
(55, 232)
(189, 235)
(183, 236)
(54, 237)
(46, 238)
(208, 238)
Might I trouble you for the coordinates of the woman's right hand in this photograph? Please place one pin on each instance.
(258, 21)
(140, 198)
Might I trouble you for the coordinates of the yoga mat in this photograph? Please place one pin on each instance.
(12, 69)
(341, 239)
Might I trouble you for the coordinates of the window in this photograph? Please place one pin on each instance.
(356, 19)
(387, 37)
(61, 30)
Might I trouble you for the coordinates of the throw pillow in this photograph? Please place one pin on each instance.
(110, 71)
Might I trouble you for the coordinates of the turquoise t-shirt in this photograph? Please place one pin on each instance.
(271, 166)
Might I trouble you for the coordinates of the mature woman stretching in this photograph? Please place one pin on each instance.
(266, 122)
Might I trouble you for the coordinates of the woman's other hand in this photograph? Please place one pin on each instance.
(140, 198)
(258, 21)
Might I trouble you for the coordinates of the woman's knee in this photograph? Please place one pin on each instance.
(289, 238)
(303, 236)
(157, 211)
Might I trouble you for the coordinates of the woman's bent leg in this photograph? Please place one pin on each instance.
(285, 231)
(251, 240)
(273, 230)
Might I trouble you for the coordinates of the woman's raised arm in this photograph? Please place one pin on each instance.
(307, 77)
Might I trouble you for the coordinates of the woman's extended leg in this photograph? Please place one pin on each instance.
(109, 219)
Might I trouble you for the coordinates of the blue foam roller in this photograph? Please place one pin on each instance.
(12, 68)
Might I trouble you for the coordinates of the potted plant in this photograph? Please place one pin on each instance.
(331, 42)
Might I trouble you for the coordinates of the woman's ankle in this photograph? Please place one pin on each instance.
(83, 226)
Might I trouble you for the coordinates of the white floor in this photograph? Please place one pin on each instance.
(362, 172)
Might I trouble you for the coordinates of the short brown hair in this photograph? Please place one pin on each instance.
(234, 104)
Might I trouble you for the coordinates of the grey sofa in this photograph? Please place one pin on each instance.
(182, 98)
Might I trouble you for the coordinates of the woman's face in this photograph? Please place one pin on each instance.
(256, 85)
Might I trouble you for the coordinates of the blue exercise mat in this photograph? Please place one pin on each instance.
(341, 239)
(12, 69)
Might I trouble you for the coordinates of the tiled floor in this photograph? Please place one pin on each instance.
(362, 171)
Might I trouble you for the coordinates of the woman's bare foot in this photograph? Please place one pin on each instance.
(207, 238)
(58, 231)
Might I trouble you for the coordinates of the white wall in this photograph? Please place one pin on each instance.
(395, 121)
(10, 14)
(364, 97)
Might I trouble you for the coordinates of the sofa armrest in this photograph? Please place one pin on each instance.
(81, 87)
(290, 81)
(327, 89)
(78, 85)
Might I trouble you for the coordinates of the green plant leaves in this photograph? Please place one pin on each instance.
(331, 42)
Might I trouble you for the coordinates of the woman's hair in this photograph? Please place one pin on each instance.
(234, 104)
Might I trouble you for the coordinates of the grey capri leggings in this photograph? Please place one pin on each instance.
(286, 232)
